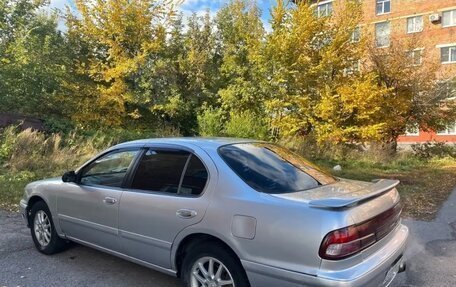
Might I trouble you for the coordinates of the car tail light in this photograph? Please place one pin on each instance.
(347, 241)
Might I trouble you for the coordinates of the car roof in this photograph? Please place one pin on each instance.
(202, 142)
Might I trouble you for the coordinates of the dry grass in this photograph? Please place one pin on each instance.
(29, 155)
(34, 151)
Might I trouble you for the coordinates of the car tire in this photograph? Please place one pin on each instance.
(42, 227)
(219, 255)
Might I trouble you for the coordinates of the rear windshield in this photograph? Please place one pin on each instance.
(272, 169)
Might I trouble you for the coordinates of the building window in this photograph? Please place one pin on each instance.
(383, 7)
(356, 35)
(353, 67)
(416, 57)
(448, 54)
(449, 18)
(415, 24)
(449, 130)
(446, 89)
(382, 34)
(324, 9)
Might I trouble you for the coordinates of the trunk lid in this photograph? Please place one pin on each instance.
(360, 201)
(343, 194)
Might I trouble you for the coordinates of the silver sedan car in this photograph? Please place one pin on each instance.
(223, 212)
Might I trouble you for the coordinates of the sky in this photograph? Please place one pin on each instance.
(214, 5)
(198, 6)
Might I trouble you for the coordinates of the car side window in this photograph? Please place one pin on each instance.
(108, 170)
(195, 177)
(160, 170)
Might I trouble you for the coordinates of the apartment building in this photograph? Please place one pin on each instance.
(431, 22)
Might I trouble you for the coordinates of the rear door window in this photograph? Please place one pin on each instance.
(160, 170)
(195, 177)
(271, 169)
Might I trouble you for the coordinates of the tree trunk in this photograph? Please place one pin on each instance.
(384, 150)
(390, 147)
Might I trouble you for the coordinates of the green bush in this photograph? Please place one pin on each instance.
(7, 140)
(434, 150)
(211, 122)
(246, 125)
(59, 125)
(12, 187)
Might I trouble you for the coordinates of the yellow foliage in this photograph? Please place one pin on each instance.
(308, 57)
(119, 35)
(353, 112)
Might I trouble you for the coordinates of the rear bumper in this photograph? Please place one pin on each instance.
(372, 272)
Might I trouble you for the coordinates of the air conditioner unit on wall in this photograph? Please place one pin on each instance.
(434, 18)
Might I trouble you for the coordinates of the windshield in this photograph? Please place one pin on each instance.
(272, 169)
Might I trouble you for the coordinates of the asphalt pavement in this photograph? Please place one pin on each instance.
(21, 265)
(431, 252)
(431, 257)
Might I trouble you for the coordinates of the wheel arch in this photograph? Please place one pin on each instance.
(30, 203)
(194, 239)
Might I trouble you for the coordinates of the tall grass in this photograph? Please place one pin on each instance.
(46, 154)
(372, 155)
(29, 155)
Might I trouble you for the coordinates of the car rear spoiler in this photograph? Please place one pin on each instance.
(377, 189)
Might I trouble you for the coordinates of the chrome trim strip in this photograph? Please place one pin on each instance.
(145, 239)
(88, 224)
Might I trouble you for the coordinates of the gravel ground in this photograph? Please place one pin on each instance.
(431, 259)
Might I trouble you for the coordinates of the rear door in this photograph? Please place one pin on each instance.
(166, 195)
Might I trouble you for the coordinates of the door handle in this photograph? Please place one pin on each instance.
(110, 200)
(186, 213)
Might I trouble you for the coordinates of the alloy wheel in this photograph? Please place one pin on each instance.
(210, 272)
(42, 228)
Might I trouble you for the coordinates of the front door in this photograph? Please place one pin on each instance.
(88, 210)
(164, 198)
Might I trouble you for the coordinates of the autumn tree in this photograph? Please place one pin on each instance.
(178, 79)
(314, 82)
(240, 34)
(416, 96)
(115, 37)
(135, 64)
(33, 59)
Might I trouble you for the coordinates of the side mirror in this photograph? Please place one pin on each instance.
(69, 176)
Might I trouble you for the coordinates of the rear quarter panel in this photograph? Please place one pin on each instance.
(287, 234)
